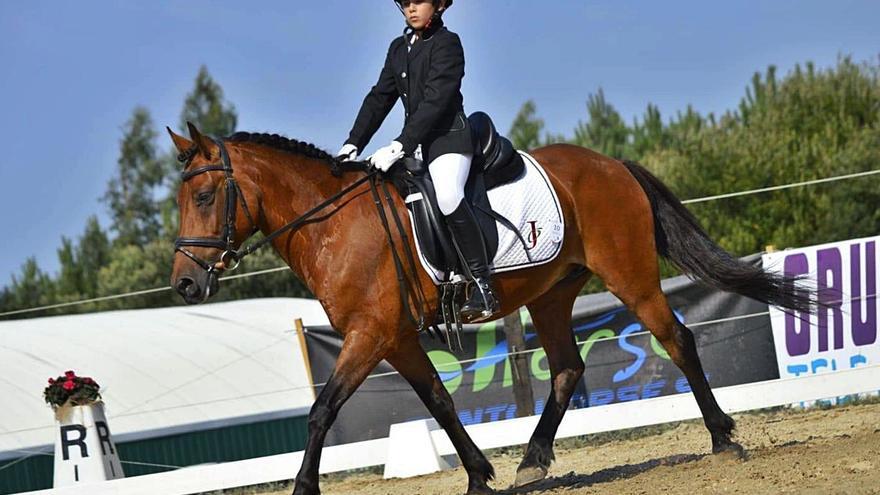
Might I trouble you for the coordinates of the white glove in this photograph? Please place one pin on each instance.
(385, 157)
(348, 152)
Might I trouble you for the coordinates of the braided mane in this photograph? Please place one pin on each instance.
(295, 147)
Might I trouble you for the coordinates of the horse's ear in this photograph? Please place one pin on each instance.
(181, 143)
(204, 144)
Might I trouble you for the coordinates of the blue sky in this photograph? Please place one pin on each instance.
(73, 71)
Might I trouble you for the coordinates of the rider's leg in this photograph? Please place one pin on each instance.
(449, 172)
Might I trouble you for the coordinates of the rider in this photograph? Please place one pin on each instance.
(424, 68)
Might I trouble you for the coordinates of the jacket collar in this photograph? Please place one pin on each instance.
(420, 43)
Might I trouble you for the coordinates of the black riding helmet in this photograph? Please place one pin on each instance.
(436, 3)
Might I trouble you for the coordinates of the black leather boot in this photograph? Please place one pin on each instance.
(482, 302)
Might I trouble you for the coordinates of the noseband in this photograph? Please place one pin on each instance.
(228, 259)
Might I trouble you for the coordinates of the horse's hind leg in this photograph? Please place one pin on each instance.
(551, 315)
(635, 281)
(360, 353)
(413, 364)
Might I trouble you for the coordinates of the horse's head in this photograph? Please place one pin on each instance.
(217, 213)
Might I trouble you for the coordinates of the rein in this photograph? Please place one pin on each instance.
(230, 258)
(406, 290)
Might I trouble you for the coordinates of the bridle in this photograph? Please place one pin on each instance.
(229, 259)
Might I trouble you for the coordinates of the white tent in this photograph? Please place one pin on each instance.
(161, 371)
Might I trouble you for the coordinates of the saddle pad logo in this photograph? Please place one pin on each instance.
(533, 234)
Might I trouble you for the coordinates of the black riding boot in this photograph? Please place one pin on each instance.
(482, 302)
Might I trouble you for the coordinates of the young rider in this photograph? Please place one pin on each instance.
(424, 68)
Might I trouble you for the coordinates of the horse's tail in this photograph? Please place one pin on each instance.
(682, 240)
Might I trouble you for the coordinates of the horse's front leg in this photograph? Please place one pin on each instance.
(360, 353)
(413, 364)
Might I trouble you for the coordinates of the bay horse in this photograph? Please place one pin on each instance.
(618, 218)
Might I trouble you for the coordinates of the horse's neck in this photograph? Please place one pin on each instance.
(291, 186)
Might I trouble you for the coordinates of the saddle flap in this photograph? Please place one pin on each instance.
(431, 233)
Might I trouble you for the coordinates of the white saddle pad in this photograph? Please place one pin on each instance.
(531, 204)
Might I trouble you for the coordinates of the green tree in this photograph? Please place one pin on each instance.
(69, 281)
(130, 193)
(92, 253)
(605, 131)
(134, 267)
(80, 263)
(206, 108)
(32, 287)
(810, 124)
(649, 135)
(525, 132)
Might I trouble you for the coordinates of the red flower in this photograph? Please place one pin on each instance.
(69, 385)
(69, 374)
(51, 381)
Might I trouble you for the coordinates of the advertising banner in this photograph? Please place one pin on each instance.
(843, 333)
(623, 361)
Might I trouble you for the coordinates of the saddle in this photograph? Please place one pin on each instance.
(495, 163)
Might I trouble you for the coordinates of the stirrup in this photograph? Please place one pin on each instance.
(481, 304)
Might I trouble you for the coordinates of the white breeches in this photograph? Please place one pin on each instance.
(449, 173)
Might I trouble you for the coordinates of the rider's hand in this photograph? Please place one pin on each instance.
(348, 153)
(385, 157)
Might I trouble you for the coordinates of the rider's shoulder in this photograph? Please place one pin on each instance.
(445, 34)
(396, 42)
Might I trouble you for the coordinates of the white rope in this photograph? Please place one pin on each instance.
(778, 188)
(49, 453)
(282, 268)
(135, 293)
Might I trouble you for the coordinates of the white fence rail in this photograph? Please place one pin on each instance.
(489, 435)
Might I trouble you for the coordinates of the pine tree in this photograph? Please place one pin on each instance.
(525, 132)
(69, 282)
(605, 131)
(130, 193)
(205, 107)
(92, 253)
(32, 287)
(648, 135)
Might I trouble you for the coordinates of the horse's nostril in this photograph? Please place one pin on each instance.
(185, 285)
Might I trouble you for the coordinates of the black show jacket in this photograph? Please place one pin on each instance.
(428, 80)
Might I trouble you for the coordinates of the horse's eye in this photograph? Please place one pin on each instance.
(204, 198)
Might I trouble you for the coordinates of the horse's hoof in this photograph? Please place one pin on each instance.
(301, 489)
(483, 490)
(730, 449)
(529, 474)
